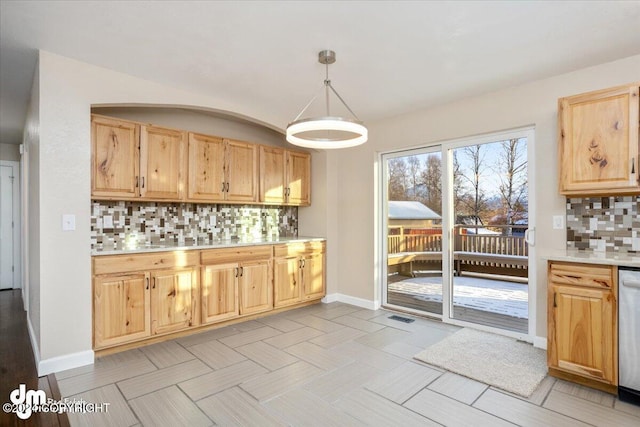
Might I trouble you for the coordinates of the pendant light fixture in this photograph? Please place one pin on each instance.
(328, 131)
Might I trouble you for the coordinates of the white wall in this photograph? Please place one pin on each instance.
(531, 104)
(31, 213)
(68, 90)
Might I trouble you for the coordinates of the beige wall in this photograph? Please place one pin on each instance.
(344, 211)
(10, 152)
(531, 104)
(64, 180)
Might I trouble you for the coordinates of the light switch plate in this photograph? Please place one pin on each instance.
(68, 222)
(558, 222)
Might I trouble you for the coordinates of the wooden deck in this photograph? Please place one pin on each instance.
(415, 300)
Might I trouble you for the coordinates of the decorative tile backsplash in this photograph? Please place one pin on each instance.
(604, 224)
(116, 225)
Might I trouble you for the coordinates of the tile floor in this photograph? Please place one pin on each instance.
(323, 365)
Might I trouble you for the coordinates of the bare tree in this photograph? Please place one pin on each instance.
(397, 168)
(512, 171)
(413, 172)
(477, 203)
(432, 178)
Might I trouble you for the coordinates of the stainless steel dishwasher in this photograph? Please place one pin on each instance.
(629, 335)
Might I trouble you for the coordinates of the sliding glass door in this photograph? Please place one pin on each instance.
(413, 230)
(455, 217)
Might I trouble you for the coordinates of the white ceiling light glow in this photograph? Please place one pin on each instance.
(327, 132)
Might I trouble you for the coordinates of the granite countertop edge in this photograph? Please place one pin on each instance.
(164, 247)
(602, 258)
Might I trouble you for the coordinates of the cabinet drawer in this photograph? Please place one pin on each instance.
(221, 256)
(594, 276)
(143, 262)
(298, 248)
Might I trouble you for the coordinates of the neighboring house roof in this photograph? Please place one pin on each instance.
(410, 210)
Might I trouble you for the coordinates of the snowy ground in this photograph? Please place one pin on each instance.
(494, 296)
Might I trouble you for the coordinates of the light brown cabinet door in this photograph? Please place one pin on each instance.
(114, 158)
(242, 171)
(299, 178)
(206, 168)
(582, 332)
(219, 292)
(256, 287)
(272, 175)
(598, 137)
(287, 287)
(173, 300)
(121, 309)
(161, 163)
(313, 276)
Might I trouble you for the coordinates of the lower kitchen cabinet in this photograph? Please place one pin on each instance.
(174, 300)
(298, 273)
(256, 287)
(138, 297)
(121, 308)
(243, 274)
(219, 292)
(582, 321)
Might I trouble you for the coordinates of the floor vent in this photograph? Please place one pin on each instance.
(402, 319)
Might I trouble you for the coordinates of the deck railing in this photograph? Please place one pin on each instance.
(509, 248)
(463, 241)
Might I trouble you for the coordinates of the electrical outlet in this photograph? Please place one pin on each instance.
(107, 221)
(558, 222)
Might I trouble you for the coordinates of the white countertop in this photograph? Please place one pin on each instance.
(606, 258)
(163, 247)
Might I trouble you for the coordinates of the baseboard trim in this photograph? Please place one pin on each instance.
(34, 342)
(62, 363)
(540, 342)
(348, 299)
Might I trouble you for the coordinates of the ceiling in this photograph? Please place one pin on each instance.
(392, 57)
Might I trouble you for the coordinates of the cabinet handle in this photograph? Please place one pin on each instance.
(227, 187)
(633, 165)
(154, 282)
(241, 271)
(142, 182)
(137, 181)
(222, 187)
(555, 304)
(304, 262)
(147, 283)
(236, 271)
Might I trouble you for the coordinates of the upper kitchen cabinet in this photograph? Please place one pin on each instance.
(285, 176)
(598, 142)
(133, 161)
(222, 170)
(162, 163)
(114, 158)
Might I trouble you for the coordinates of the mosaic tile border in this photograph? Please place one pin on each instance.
(604, 224)
(115, 225)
